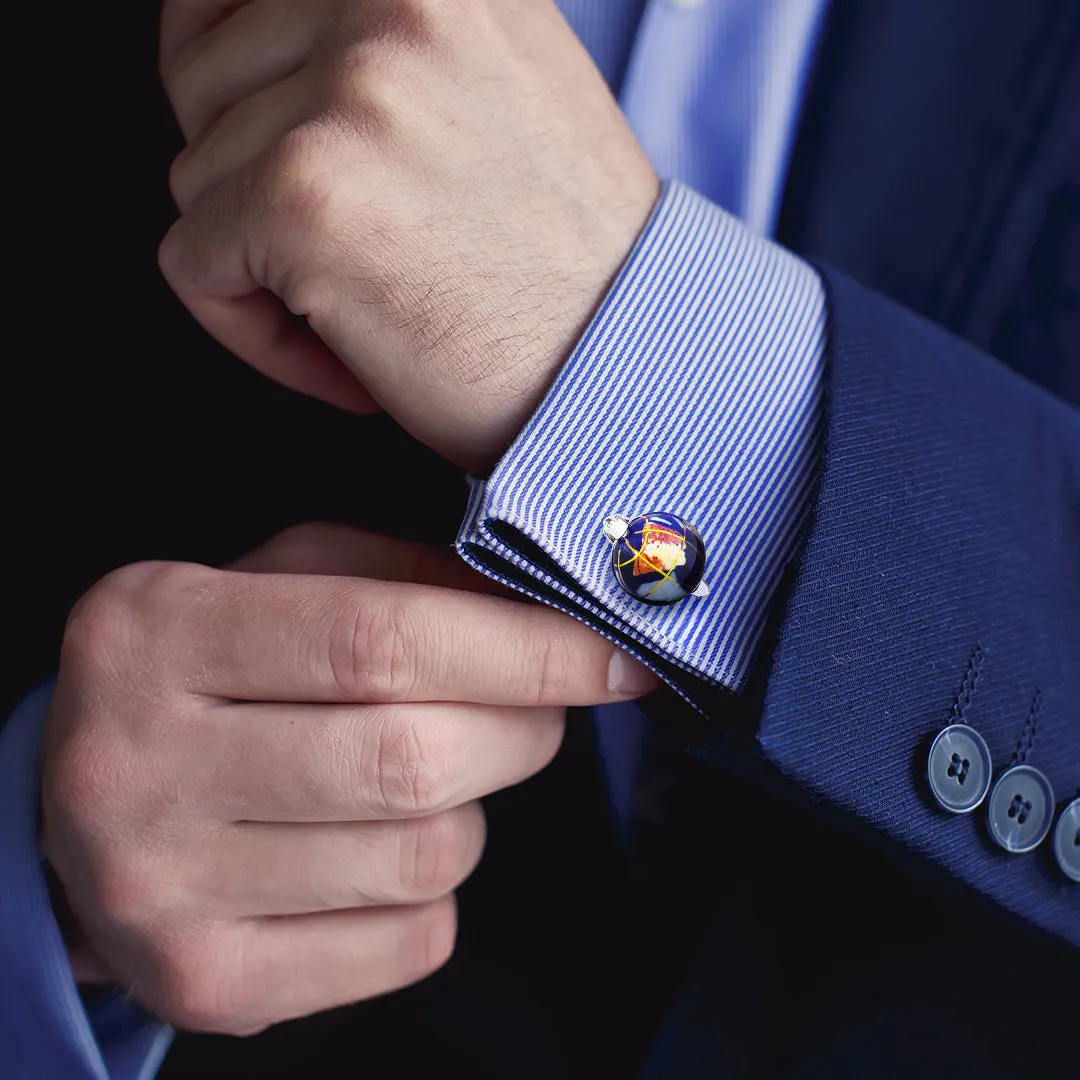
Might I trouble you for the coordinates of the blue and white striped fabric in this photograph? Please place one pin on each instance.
(696, 389)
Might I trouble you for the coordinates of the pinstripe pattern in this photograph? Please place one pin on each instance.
(696, 389)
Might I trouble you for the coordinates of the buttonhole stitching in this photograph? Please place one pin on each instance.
(1026, 742)
(967, 687)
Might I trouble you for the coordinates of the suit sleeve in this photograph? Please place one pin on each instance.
(939, 581)
(45, 1028)
(919, 501)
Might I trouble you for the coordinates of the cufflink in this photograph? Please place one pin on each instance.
(656, 558)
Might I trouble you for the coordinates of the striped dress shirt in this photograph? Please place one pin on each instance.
(697, 387)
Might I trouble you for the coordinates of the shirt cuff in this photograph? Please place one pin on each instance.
(42, 1017)
(695, 390)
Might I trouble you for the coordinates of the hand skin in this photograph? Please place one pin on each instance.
(443, 190)
(260, 785)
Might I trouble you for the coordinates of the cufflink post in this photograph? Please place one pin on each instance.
(615, 527)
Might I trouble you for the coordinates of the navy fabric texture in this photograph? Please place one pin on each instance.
(938, 164)
(946, 527)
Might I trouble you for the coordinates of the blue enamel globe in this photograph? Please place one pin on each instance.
(659, 559)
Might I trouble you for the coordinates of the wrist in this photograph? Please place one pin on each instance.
(509, 396)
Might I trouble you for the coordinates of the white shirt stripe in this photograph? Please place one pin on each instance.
(696, 389)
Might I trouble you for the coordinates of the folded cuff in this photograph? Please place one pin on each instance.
(696, 390)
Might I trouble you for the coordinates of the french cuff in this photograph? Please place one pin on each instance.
(695, 390)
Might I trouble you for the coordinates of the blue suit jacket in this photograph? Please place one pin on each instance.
(938, 165)
(807, 911)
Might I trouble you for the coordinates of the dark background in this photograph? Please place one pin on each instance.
(129, 435)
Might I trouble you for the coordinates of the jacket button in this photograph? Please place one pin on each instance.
(1067, 841)
(1021, 808)
(959, 768)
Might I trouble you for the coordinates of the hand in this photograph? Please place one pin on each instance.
(443, 190)
(260, 790)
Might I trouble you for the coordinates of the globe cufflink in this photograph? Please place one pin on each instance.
(657, 558)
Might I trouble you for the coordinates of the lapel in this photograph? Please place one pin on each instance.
(933, 135)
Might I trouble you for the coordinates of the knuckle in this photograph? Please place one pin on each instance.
(160, 583)
(116, 616)
(102, 619)
(171, 595)
(411, 768)
(312, 295)
(441, 852)
(197, 992)
(370, 654)
(116, 661)
(108, 773)
(347, 67)
(414, 22)
(551, 667)
(189, 999)
(361, 89)
(296, 181)
(146, 585)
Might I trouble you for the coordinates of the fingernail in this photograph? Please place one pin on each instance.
(627, 677)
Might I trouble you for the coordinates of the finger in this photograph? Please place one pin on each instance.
(272, 637)
(312, 962)
(257, 972)
(318, 763)
(261, 43)
(207, 262)
(182, 21)
(326, 548)
(291, 869)
(240, 134)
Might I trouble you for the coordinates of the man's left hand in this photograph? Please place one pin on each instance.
(443, 190)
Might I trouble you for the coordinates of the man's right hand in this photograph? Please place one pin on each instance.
(260, 784)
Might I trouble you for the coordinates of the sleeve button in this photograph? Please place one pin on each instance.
(1067, 841)
(959, 769)
(1021, 808)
